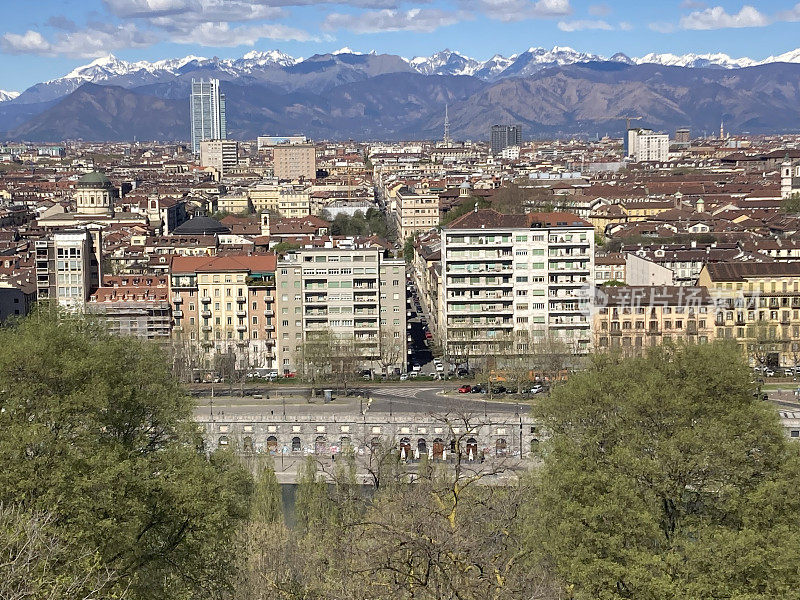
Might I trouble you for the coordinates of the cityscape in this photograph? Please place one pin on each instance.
(400, 323)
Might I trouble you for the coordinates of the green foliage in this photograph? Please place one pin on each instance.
(373, 223)
(97, 433)
(314, 509)
(283, 248)
(665, 478)
(266, 505)
(408, 249)
(463, 208)
(791, 205)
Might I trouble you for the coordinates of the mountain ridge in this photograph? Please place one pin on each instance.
(578, 99)
(279, 68)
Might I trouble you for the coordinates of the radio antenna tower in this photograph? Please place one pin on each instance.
(446, 127)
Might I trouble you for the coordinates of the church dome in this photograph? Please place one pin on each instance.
(95, 179)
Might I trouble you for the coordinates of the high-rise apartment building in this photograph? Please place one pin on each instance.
(645, 145)
(504, 136)
(295, 161)
(207, 113)
(509, 280)
(222, 155)
(352, 296)
(68, 266)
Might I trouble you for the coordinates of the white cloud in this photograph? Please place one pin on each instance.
(583, 24)
(223, 35)
(693, 4)
(91, 42)
(625, 26)
(519, 10)
(718, 18)
(600, 10)
(417, 19)
(662, 27)
(793, 14)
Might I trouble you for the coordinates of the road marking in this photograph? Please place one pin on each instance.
(401, 392)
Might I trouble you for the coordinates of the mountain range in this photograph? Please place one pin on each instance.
(383, 96)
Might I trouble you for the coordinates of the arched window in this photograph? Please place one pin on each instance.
(405, 448)
(320, 445)
(472, 449)
(296, 446)
(438, 448)
(248, 444)
(223, 440)
(422, 446)
(272, 444)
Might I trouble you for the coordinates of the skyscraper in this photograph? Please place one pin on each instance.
(504, 136)
(208, 113)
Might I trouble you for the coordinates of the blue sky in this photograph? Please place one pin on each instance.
(47, 38)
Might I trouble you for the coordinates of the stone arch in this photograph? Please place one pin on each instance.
(272, 444)
(500, 447)
(297, 445)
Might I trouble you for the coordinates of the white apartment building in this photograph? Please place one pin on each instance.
(351, 294)
(68, 267)
(510, 279)
(646, 145)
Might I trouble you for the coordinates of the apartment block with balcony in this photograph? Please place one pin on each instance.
(632, 318)
(68, 267)
(226, 304)
(356, 295)
(510, 279)
(758, 305)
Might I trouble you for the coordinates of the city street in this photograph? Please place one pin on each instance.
(400, 397)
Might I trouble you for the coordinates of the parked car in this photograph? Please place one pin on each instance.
(499, 389)
(769, 372)
(416, 368)
(462, 372)
(477, 389)
(440, 368)
(403, 376)
(465, 389)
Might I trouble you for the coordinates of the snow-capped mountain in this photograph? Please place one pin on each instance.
(324, 70)
(695, 61)
(6, 96)
(445, 62)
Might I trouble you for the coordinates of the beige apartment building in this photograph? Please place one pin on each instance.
(353, 297)
(633, 318)
(416, 210)
(222, 155)
(295, 161)
(225, 304)
(285, 200)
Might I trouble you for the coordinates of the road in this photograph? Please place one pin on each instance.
(401, 397)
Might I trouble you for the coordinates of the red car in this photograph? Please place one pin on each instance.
(465, 389)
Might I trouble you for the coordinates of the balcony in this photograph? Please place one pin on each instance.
(206, 299)
(205, 328)
(269, 313)
(206, 314)
(241, 327)
(241, 299)
(207, 343)
(177, 313)
(177, 299)
(241, 314)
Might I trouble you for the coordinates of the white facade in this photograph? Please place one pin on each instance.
(503, 286)
(645, 145)
(222, 155)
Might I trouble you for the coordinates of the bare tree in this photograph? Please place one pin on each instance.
(391, 350)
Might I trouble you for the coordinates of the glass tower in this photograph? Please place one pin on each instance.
(207, 113)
